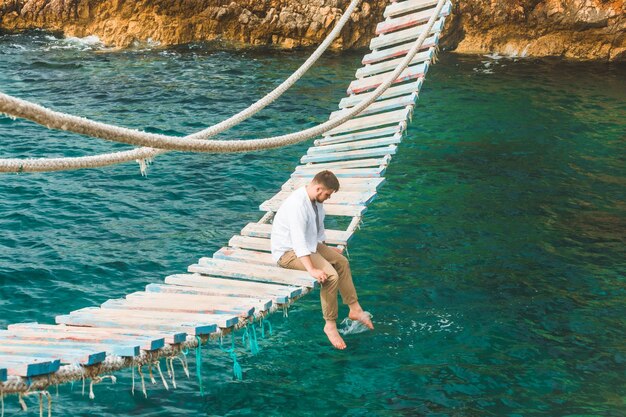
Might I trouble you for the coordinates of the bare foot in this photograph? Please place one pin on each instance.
(333, 336)
(363, 317)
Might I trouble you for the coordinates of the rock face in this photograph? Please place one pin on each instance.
(581, 29)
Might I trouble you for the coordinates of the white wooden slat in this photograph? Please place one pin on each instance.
(243, 255)
(209, 284)
(376, 120)
(413, 19)
(356, 145)
(192, 323)
(170, 337)
(332, 166)
(331, 209)
(381, 106)
(264, 230)
(356, 154)
(350, 184)
(397, 51)
(370, 83)
(97, 317)
(402, 7)
(390, 65)
(339, 198)
(344, 173)
(202, 301)
(366, 134)
(248, 242)
(253, 272)
(396, 91)
(201, 284)
(402, 36)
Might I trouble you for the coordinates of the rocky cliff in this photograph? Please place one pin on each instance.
(581, 29)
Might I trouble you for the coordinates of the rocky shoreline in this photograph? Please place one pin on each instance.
(575, 29)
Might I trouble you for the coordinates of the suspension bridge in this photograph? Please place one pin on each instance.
(234, 290)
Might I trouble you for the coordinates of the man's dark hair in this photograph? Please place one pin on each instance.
(327, 179)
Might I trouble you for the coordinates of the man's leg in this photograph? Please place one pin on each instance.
(346, 285)
(328, 292)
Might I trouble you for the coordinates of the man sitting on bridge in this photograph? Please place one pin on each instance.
(298, 243)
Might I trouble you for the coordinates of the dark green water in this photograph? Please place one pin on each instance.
(493, 259)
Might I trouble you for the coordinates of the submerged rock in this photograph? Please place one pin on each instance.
(581, 29)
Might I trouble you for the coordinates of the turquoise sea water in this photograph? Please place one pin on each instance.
(492, 260)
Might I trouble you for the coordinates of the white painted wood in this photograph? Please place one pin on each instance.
(397, 51)
(402, 7)
(356, 154)
(333, 237)
(356, 145)
(349, 184)
(382, 106)
(359, 163)
(370, 83)
(366, 134)
(413, 19)
(391, 64)
(243, 255)
(396, 91)
(405, 35)
(376, 120)
(344, 173)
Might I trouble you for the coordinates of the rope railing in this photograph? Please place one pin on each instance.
(52, 119)
(145, 153)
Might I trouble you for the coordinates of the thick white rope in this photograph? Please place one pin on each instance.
(79, 125)
(142, 154)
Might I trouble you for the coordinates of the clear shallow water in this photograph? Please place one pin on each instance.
(492, 259)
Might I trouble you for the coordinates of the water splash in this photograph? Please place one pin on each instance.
(349, 326)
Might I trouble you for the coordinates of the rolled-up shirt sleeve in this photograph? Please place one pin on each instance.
(297, 230)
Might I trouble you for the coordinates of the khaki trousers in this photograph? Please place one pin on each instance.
(337, 269)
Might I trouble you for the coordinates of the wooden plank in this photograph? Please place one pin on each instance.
(373, 121)
(405, 35)
(370, 83)
(177, 289)
(133, 334)
(397, 51)
(396, 9)
(94, 320)
(50, 352)
(368, 134)
(27, 366)
(413, 19)
(344, 183)
(356, 145)
(210, 283)
(330, 209)
(395, 91)
(242, 255)
(341, 197)
(344, 173)
(254, 243)
(252, 272)
(390, 65)
(264, 230)
(166, 305)
(204, 323)
(381, 106)
(341, 156)
(201, 301)
(110, 343)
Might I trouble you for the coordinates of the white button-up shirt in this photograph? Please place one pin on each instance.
(294, 226)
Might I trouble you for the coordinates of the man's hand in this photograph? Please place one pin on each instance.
(319, 275)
